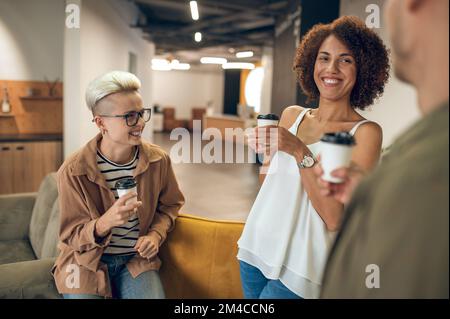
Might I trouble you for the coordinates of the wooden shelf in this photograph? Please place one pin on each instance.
(6, 115)
(41, 98)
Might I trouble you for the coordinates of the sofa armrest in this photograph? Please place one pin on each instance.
(28, 280)
(15, 215)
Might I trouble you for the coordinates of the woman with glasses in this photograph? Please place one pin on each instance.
(109, 244)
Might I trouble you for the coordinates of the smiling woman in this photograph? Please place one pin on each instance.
(114, 242)
(345, 66)
(117, 108)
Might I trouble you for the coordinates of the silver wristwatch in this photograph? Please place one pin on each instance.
(307, 162)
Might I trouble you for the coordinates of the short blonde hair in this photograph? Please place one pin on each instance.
(110, 83)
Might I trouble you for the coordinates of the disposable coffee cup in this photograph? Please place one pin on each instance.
(268, 119)
(125, 186)
(336, 152)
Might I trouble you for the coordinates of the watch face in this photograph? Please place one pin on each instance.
(308, 161)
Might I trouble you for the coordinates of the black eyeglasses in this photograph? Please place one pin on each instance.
(132, 117)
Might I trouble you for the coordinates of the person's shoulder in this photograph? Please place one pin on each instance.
(292, 110)
(405, 193)
(371, 131)
(370, 126)
(411, 171)
(290, 114)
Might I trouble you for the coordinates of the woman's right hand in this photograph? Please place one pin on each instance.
(117, 215)
(342, 192)
(259, 139)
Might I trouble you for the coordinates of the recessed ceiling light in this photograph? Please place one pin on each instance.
(236, 65)
(244, 54)
(210, 60)
(181, 66)
(194, 10)
(160, 62)
(165, 65)
(198, 37)
(156, 67)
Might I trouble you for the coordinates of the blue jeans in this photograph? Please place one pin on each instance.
(145, 286)
(256, 286)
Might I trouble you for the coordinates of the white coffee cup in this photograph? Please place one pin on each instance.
(125, 186)
(336, 152)
(268, 119)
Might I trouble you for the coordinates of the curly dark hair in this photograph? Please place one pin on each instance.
(371, 55)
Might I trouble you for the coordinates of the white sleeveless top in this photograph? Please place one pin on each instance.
(284, 237)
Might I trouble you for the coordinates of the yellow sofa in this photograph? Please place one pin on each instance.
(199, 259)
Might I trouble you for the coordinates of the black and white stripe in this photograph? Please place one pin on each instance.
(124, 237)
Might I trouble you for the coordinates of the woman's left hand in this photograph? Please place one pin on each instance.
(272, 138)
(148, 246)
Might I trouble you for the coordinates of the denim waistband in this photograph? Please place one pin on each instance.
(116, 260)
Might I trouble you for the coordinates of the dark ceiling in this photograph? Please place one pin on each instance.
(230, 23)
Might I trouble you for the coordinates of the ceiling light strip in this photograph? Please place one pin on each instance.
(194, 10)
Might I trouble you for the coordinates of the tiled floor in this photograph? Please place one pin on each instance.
(217, 191)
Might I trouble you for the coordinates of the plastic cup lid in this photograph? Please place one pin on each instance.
(126, 183)
(342, 138)
(271, 117)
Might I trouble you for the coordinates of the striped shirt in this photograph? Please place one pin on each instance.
(123, 237)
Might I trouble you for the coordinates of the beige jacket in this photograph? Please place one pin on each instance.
(84, 197)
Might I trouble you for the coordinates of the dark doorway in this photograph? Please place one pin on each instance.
(231, 91)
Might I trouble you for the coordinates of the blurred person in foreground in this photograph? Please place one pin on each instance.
(394, 238)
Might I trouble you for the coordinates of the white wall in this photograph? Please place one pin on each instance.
(31, 39)
(398, 107)
(102, 43)
(187, 89)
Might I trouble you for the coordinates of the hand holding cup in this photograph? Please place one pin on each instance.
(259, 138)
(118, 214)
(336, 152)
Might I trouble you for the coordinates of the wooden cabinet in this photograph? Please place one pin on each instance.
(6, 168)
(23, 165)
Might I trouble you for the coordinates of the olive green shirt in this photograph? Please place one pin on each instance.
(394, 238)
